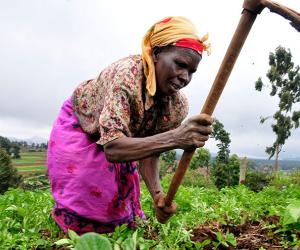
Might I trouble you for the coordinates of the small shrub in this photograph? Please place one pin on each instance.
(201, 158)
(295, 177)
(9, 176)
(256, 180)
(282, 180)
(226, 174)
(194, 178)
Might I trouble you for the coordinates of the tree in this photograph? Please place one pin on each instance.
(221, 135)
(9, 176)
(201, 158)
(284, 82)
(5, 144)
(225, 170)
(15, 151)
(44, 145)
(226, 174)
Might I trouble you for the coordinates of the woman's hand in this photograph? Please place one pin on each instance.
(162, 212)
(194, 132)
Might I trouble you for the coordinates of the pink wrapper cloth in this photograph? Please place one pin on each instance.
(90, 193)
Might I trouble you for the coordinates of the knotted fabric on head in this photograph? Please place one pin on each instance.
(177, 31)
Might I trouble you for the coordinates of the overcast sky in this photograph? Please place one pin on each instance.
(48, 47)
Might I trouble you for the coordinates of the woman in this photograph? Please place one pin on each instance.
(131, 112)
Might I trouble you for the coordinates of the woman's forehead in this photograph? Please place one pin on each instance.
(186, 53)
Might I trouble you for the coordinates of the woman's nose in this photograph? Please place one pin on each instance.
(185, 77)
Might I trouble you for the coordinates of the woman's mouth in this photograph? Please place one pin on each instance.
(176, 86)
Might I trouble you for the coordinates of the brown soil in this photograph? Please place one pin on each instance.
(32, 172)
(250, 236)
(46, 234)
(150, 233)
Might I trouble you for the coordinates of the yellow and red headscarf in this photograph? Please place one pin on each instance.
(178, 31)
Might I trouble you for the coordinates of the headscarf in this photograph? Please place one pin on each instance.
(178, 31)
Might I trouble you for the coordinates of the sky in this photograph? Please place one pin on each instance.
(48, 47)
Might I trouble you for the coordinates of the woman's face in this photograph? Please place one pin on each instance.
(174, 67)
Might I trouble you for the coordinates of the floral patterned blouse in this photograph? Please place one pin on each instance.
(115, 104)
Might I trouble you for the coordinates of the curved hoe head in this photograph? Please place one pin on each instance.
(256, 6)
(289, 14)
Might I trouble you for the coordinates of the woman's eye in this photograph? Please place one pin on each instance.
(181, 64)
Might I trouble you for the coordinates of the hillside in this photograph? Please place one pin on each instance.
(285, 165)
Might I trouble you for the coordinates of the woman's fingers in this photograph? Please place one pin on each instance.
(162, 216)
(202, 119)
(171, 209)
(163, 212)
(159, 200)
(194, 132)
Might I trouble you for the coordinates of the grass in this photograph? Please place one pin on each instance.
(31, 168)
(31, 162)
(230, 206)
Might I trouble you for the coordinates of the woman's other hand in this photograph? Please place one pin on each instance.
(162, 211)
(194, 132)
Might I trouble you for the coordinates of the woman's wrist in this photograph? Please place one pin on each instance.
(156, 192)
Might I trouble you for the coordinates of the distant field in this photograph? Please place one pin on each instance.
(31, 162)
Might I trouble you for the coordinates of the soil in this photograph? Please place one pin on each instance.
(250, 236)
(46, 234)
(40, 171)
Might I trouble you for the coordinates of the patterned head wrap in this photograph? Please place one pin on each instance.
(178, 31)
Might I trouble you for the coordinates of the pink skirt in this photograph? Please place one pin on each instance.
(90, 193)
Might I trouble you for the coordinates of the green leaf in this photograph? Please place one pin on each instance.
(41, 242)
(134, 237)
(117, 246)
(11, 208)
(292, 214)
(129, 244)
(93, 241)
(231, 239)
(73, 235)
(62, 242)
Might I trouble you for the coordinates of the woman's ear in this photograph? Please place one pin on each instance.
(155, 54)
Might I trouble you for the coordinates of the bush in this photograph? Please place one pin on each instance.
(201, 158)
(283, 180)
(256, 180)
(295, 177)
(226, 175)
(9, 176)
(194, 178)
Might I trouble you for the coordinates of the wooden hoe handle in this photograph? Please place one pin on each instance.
(251, 9)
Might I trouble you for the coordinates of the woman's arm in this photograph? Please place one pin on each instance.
(149, 170)
(126, 149)
(190, 135)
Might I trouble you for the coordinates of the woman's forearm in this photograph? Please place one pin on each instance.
(190, 135)
(132, 149)
(149, 170)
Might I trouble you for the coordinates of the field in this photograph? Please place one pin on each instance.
(31, 163)
(207, 218)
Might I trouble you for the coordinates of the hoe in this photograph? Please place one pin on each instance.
(251, 8)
